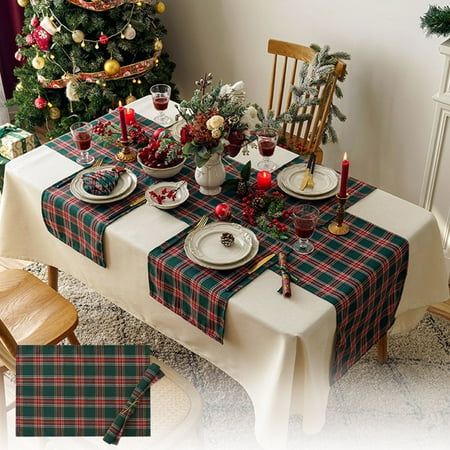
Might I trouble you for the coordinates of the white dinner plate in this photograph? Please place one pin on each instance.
(80, 194)
(305, 197)
(253, 252)
(325, 180)
(206, 246)
(123, 184)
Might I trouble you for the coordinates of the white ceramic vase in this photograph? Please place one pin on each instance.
(211, 176)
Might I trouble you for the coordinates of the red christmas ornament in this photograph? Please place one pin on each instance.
(223, 211)
(19, 56)
(34, 22)
(103, 39)
(40, 103)
(42, 37)
(29, 39)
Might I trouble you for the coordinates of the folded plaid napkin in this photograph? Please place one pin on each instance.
(102, 182)
(152, 374)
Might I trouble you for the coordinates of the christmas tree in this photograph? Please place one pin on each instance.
(81, 57)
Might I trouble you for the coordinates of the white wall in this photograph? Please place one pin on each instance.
(393, 73)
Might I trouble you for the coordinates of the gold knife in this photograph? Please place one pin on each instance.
(260, 263)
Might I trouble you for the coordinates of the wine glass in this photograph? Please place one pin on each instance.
(305, 220)
(267, 141)
(161, 96)
(82, 136)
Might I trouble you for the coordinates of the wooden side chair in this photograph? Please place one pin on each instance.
(305, 135)
(30, 313)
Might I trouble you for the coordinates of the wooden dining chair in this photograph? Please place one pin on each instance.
(305, 136)
(30, 313)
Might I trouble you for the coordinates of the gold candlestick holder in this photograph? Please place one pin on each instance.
(126, 154)
(338, 227)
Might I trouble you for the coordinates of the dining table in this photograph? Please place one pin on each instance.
(279, 349)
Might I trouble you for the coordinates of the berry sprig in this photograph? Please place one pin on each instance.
(163, 195)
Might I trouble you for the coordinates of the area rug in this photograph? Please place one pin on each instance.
(402, 404)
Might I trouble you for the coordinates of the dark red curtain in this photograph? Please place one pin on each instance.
(11, 20)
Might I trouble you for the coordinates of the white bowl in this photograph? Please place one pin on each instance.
(181, 196)
(167, 172)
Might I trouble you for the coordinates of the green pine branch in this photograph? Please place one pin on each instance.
(436, 21)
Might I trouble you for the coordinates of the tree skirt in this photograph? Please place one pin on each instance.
(402, 404)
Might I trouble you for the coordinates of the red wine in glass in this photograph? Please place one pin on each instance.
(305, 219)
(161, 103)
(82, 137)
(304, 228)
(266, 148)
(161, 95)
(82, 140)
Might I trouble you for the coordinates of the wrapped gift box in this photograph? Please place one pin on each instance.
(14, 141)
(3, 162)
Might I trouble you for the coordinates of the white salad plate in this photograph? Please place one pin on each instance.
(325, 180)
(181, 195)
(244, 249)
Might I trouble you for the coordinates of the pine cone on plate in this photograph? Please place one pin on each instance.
(227, 239)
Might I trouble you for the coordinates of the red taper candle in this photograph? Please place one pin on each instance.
(123, 123)
(344, 176)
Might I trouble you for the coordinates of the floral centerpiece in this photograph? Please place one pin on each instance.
(212, 116)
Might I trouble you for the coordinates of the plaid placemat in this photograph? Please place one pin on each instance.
(67, 390)
(362, 274)
(152, 374)
(82, 225)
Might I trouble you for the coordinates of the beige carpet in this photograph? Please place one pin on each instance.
(403, 404)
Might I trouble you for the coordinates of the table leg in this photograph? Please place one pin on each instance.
(52, 274)
(382, 350)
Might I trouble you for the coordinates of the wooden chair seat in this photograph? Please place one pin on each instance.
(33, 312)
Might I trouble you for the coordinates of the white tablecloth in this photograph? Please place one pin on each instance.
(278, 349)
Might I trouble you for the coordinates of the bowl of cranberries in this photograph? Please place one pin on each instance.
(163, 156)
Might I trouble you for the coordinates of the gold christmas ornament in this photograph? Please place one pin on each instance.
(160, 7)
(54, 113)
(111, 66)
(23, 3)
(38, 62)
(78, 36)
(158, 45)
(130, 99)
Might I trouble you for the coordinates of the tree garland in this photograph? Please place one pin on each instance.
(104, 5)
(436, 21)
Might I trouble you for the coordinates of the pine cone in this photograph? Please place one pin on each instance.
(227, 239)
(242, 188)
(259, 203)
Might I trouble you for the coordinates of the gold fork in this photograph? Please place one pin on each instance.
(200, 224)
(98, 162)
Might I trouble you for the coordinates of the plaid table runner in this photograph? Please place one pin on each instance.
(152, 374)
(70, 390)
(362, 274)
(82, 225)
